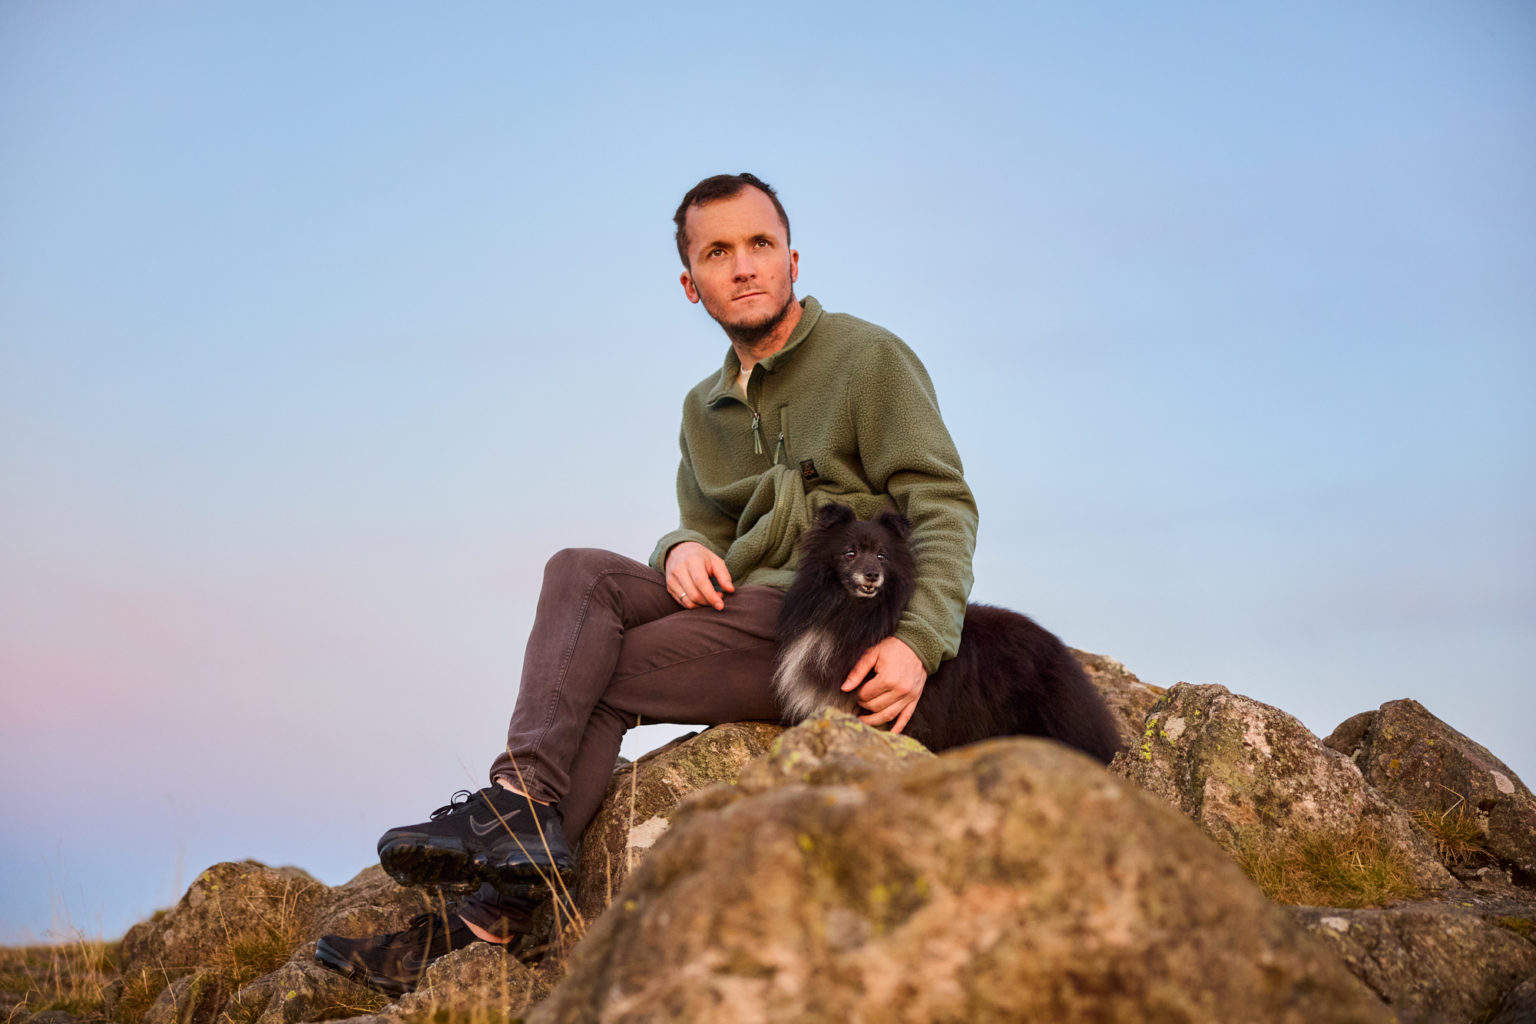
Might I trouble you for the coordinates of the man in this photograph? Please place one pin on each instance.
(810, 407)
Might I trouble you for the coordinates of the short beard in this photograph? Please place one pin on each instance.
(750, 336)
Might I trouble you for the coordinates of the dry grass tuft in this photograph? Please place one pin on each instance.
(1457, 837)
(71, 976)
(1358, 870)
(140, 990)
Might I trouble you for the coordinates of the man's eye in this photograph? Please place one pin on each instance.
(714, 253)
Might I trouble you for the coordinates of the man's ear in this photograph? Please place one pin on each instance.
(794, 265)
(688, 288)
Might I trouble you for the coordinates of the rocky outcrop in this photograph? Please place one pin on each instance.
(1426, 766)
(638, 807)
(837, 872)
(831, 748)
(1128, 697)
(239, 945)
(1432, 963)
(1012, 880)
(1247, 773)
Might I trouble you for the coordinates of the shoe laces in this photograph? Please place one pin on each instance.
(456, 803)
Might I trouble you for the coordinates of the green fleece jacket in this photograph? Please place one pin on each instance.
(843, 412)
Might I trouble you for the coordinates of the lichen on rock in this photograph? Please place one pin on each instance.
(1010, 880)
(1250, 774)
(1423, 764)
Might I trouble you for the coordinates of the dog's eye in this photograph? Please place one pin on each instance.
(848, 553)
(881, 556)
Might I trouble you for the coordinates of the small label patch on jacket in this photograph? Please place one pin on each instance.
(808, 470)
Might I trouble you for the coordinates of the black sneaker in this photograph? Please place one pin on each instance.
(394, 962)
(494, 835)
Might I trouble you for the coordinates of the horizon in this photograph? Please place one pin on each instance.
(322, 328)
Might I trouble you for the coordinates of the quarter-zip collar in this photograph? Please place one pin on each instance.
(725, 387)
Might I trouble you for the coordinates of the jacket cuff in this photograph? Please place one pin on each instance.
(923, 641)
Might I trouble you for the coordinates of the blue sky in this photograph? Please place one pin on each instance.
(323, 325)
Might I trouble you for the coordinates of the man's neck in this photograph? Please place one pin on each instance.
(752, 353)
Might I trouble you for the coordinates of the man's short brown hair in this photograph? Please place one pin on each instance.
(722, 186)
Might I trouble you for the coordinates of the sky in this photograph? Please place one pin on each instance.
(323, 325)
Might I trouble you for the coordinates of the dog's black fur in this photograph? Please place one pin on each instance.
(1011, 677)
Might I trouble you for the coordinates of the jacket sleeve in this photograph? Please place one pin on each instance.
(906, 452)
(699, 519)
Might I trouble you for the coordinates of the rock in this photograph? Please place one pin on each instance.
(225, 902)
(480, 982)
(300, 990)
(1010, 880)
(194, 998)
(640, 800)
(1424, 765)
(370, 903)
(1252, 777)
(1432, 963)
(829, 747)
(213, 952)
(1128, 697)
(235, 917)
(1519, 1006)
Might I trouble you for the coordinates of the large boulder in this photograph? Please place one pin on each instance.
(1010, 880)
(1434, 964)
(1423, 764)
(638, 806)
(1260, 784)
(1127, 696)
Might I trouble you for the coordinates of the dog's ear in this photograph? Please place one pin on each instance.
(896, 523)
(833, 514)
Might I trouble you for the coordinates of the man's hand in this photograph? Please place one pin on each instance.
(893, 690)
(690, 569)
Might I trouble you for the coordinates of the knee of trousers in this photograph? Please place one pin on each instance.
(583, 563)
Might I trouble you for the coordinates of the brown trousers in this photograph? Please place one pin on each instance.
(611, 648)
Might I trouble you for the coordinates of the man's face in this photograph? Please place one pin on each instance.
(740, 264)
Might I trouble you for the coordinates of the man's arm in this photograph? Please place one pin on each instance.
(907, 452)
(693, 555)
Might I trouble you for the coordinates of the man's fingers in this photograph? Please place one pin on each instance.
(723, 575)
(881, 698)
(860, 670)
(703, 586)
(904, 717)
(881, 717)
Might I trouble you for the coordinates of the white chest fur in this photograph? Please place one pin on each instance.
(802, 682)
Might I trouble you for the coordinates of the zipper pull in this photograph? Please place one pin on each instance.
(757, 435)
(778, 449)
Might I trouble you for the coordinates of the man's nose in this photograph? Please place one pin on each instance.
(743, 267)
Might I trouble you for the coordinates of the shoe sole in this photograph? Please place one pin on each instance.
(430, 860)
(333, 959)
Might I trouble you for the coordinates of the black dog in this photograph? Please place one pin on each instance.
(1011, 677)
